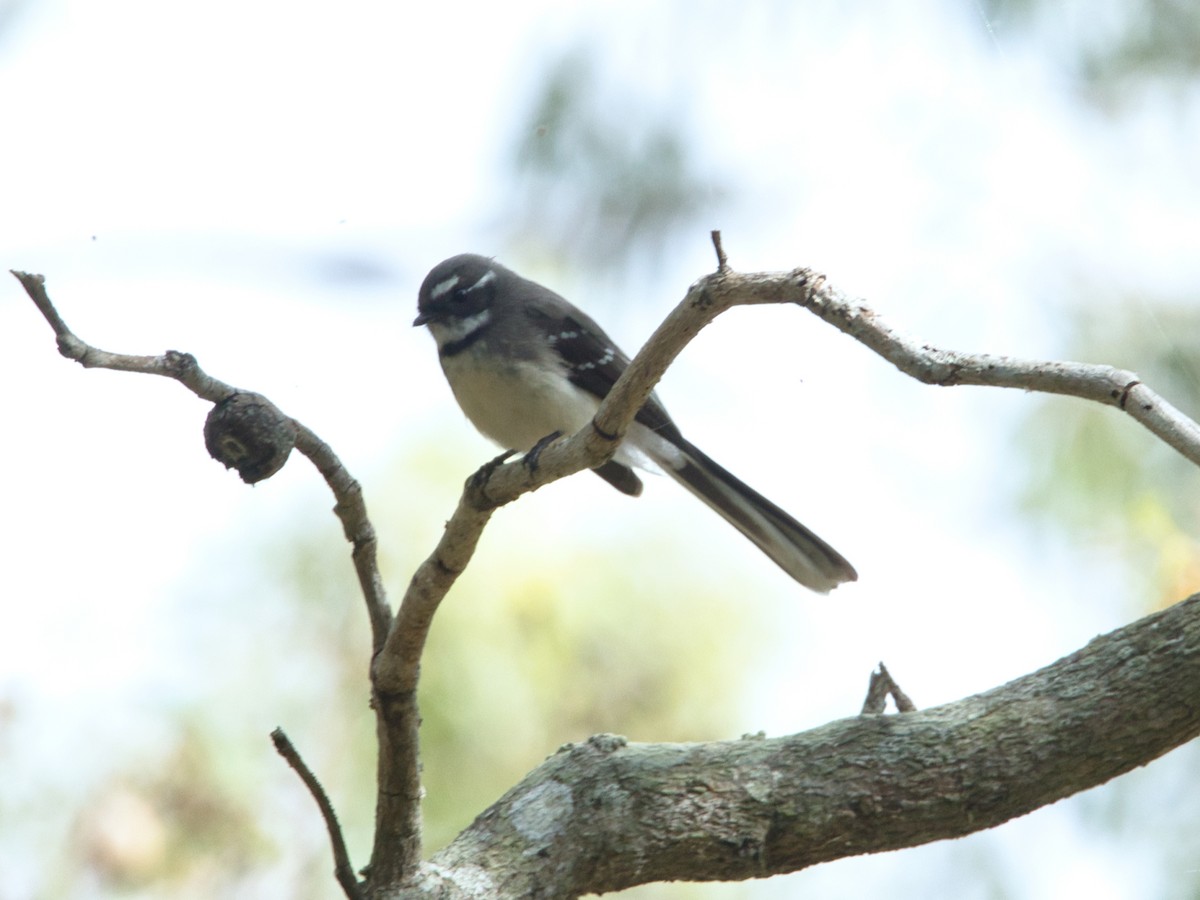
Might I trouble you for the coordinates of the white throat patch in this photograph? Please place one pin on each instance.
(457, 329)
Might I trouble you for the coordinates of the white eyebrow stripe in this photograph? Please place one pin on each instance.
(489, 276)
(443, 287)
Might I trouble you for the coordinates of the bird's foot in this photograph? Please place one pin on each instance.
(484, 474)
(535, 452)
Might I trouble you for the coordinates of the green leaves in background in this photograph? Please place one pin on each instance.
(1097, 474)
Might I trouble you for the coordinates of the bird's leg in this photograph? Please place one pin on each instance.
(481, 477)
(531, 458)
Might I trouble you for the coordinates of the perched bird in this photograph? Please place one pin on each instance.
(524, 363)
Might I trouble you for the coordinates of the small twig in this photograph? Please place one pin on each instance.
(351, 509)
(1099, 383)
(882, 684)
(342, 870)
(35, 286)
(946, 368)
(182, 367)
(877, 692)
(722, 259)
(903, 703)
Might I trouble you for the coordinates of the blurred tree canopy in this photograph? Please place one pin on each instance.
(1089, 473)
(1104, 481)
(602, 179)
(1113, 50)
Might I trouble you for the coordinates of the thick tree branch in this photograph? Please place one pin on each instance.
(397, 668)
(603, 815)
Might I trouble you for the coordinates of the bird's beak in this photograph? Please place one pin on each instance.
(423, 318)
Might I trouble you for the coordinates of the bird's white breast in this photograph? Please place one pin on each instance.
(516, 403)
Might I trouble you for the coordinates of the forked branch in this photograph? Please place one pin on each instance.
(399, 644)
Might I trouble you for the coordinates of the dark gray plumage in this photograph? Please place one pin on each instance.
(524, 363)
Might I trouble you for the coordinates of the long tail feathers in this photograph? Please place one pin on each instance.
(796, 550)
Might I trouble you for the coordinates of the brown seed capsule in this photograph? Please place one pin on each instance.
(247, 432)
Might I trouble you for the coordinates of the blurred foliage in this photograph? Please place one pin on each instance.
(277, 636)
(1111, 49)
(602, 180)
(1160, 39)
(181, 824)
(10, 17)
(1094, 474)
(563, 647)
(548, 638)
(1101, 477)
(553, 635)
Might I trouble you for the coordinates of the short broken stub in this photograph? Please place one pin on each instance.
(247, 432)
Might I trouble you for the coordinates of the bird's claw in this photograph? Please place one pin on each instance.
(535, 452)
(484, 474)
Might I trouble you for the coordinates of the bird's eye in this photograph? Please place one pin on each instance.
(458, 297)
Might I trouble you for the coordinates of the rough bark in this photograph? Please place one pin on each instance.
(604, 815)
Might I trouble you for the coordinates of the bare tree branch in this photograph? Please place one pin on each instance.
(880, 686)
(342, 869)
(396, 670)
(350, 508)
(719, 246)
(928, 364)
(397, 667)
(172, 364)
(602, 815)
(750, 808)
